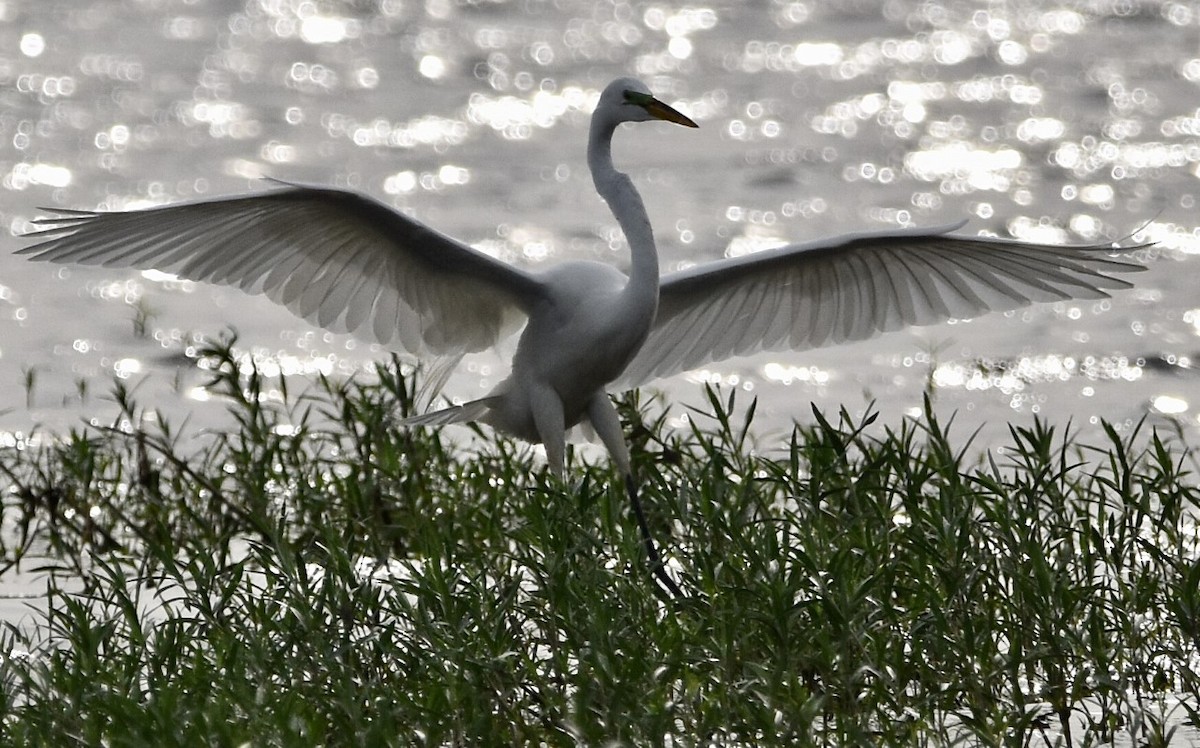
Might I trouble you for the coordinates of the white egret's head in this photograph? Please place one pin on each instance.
(630, 100)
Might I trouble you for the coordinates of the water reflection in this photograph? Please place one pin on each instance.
(1050, 123)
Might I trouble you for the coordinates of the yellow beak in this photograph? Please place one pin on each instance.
(659, 110)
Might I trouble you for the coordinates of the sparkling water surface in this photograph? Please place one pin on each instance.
(1068, 122)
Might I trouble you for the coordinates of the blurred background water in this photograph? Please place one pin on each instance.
(1058, 122)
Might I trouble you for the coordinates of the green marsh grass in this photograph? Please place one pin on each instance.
(314, 576)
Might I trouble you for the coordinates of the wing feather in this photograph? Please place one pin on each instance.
(740, 310)
(887, 294)
(338, 259)
(930, 303)
(856, 286)
(858, 307)
(777, 324)
(827, 304)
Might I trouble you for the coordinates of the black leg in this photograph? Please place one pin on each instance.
(656, 564)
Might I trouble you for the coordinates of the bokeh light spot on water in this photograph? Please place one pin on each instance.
(518, 118)
(1013, 376)
(1037, 230)
(24, 175)
(183, 28)
(1123, 160)
(225, 119)
(1169, 405)
(316, 29)
(430, 130)
(789, 373)
(32, 44)
(679, 47)
(126, 291)
(408, 181)
(1035, 130)
(124, 368)
(962, 168)
(432, 66)
(278, 153)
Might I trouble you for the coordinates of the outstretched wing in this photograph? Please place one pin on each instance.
(853, 287)
(338, 259)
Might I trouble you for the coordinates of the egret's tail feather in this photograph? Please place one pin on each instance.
(436, 370)
(464, 413)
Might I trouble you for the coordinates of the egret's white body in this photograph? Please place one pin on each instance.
(592, 319)
(348, 263)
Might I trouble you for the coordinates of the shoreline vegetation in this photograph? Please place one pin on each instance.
(313, 576)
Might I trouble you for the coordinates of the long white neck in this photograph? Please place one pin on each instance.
(626, 205)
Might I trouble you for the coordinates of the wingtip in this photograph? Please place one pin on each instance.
(59, 216)
(284, 184)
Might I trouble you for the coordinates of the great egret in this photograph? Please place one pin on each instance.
(348, 263)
